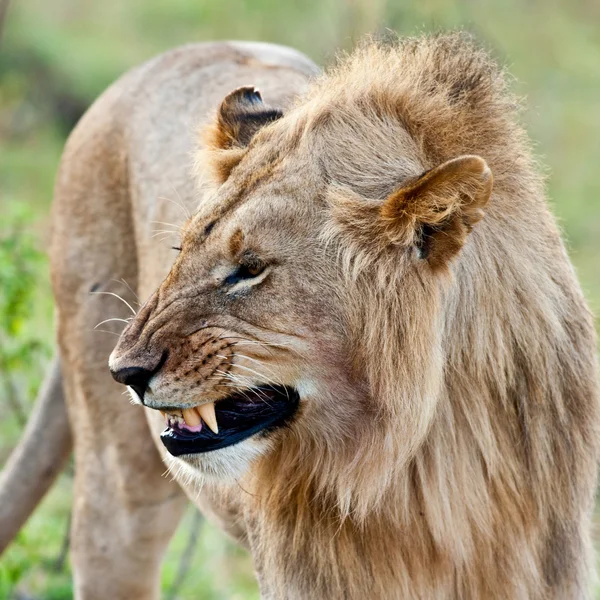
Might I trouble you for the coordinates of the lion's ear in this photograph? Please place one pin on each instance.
(437, 210)
(241, 114)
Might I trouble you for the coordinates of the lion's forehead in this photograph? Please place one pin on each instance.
(264, 214)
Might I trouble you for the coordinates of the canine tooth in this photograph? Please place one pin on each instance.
(191, 417)
(207, 412)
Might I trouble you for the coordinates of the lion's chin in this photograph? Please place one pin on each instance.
(226, 465)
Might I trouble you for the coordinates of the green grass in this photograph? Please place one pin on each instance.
(63, 54)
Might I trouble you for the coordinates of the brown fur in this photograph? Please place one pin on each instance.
(446, 443)
(450, 448)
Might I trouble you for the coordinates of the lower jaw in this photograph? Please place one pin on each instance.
(235, 426)
(226, 466)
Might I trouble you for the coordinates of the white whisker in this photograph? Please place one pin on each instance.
(178, 227)
(163, 238)
(185, 209)
(158, 232)
(258, 362)
(119, 297)
(239, 391)
(259, 375)
(273, 374)
(260, 343)
(247, 342)
(248, 383)
(113, 319)
(186, 212)
(128, 287)
(241, 380)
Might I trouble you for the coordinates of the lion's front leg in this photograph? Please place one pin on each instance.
(125, 511)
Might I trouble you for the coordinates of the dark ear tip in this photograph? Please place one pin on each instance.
(243, 96)
(240, 116)
(254, 96)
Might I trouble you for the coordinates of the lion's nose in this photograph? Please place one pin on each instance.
(135, 377)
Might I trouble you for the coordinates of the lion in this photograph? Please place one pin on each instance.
(367, 358)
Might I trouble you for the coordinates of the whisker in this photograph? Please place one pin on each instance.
(158, 232)
(113, 319)
(259, 375)
(235, 377)
(119, 297)
(107, 331)
(186, 212)
(129, 288)
(180, 198)
(162, 239)
(265, 344)
(235, 382)
(266, 348)
(273, 374)
(231, 363)
(225, 374)
(247, 342)
(178, 227)
(258, 362)
(237, 389)
(241, 380)
(164, 236)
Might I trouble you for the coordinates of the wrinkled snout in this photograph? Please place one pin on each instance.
(135, 359)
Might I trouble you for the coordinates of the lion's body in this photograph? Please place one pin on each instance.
(466, 466)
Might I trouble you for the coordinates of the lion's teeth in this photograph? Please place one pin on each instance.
(191, 417)
(207, 412)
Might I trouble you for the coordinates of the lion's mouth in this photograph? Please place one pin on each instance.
(229, 420)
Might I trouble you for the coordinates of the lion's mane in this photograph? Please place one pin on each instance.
(478, 473)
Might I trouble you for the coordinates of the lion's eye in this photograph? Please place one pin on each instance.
(252, 270)
(245, 271)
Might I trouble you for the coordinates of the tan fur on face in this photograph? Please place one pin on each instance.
(446, 444)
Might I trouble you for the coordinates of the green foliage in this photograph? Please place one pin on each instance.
(58, 56)
(24, 348)
(20, 262)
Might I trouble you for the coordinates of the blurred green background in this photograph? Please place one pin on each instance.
(56, 57)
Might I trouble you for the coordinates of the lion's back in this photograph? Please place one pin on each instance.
(127, 164)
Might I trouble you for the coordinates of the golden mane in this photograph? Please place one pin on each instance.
(443, 95)
(481, 383)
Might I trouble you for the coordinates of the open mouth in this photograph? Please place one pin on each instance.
(228, 421)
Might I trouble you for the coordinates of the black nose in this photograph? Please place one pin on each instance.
(135, 377)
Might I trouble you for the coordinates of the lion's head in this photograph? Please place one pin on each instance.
(335, 287)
